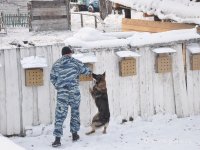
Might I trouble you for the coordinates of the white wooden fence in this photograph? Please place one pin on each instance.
(144, 94)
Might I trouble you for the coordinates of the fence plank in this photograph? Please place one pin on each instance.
(43, 91)
(16, 20)
(3, 113)
(12, 95)
(180, 92)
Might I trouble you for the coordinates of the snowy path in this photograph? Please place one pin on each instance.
(161, 133)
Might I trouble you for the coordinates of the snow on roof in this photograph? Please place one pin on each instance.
(34, 62)
(7, 144)
(127, 54)
(164, 50)
(82, 39)
(163, 37)
(194, 48)
(85, 58)
(182, 11)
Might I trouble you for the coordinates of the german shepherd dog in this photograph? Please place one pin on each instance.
(99, 94)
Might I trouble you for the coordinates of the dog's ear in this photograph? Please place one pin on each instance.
(94, 75)
(104, 75)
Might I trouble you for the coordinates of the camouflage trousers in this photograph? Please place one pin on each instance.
(65, 98)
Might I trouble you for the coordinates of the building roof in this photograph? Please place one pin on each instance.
(182, 11)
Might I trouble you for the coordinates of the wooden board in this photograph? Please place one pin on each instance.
(3, 112)
(179, 83)
(49, 15)
(51, 24)
(48, 4)
(193, 86)
(49, 11)
(12, 95)
(151, 26)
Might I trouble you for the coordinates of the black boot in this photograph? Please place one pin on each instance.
(75, 136)
(56, 143)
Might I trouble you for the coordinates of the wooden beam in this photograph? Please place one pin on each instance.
(48, 4)
(152, 26)
(48, 17)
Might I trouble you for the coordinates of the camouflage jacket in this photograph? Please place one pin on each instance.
(65, 72)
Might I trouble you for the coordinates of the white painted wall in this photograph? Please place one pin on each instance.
(144, 94)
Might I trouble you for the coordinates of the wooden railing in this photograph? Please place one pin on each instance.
(96, 18)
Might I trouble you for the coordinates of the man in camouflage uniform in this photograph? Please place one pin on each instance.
(65, 77)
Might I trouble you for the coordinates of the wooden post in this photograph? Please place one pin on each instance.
(18, 17)
(30, 16)
(81, 20)
(95, 19)
(103, 9)
(184, 54)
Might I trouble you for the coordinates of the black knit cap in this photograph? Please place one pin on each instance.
(66, 50)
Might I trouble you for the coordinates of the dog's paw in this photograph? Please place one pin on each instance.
(88, 133)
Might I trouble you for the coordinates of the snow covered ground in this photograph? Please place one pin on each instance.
(162, 132)
(6, 144)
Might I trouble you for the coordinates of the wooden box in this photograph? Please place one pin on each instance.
(87, 77)
(34, 77)
(163, 64)
(195, 62)
(127, 67)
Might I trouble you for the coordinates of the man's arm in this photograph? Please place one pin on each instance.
(53, 76)
(84, 69)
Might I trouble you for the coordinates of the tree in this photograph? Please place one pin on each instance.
(105, 8)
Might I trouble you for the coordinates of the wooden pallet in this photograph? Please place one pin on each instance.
(152, 26)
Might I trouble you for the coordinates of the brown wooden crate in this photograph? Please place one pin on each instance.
(152, 26)
(163, 64)
(87, 77)
(195, 62)
(127, 67)
(34, 77)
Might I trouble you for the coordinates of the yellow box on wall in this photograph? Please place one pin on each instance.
(87, 77)
(163, 63)
(34, 77)
(127, 67)
(195, 62)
